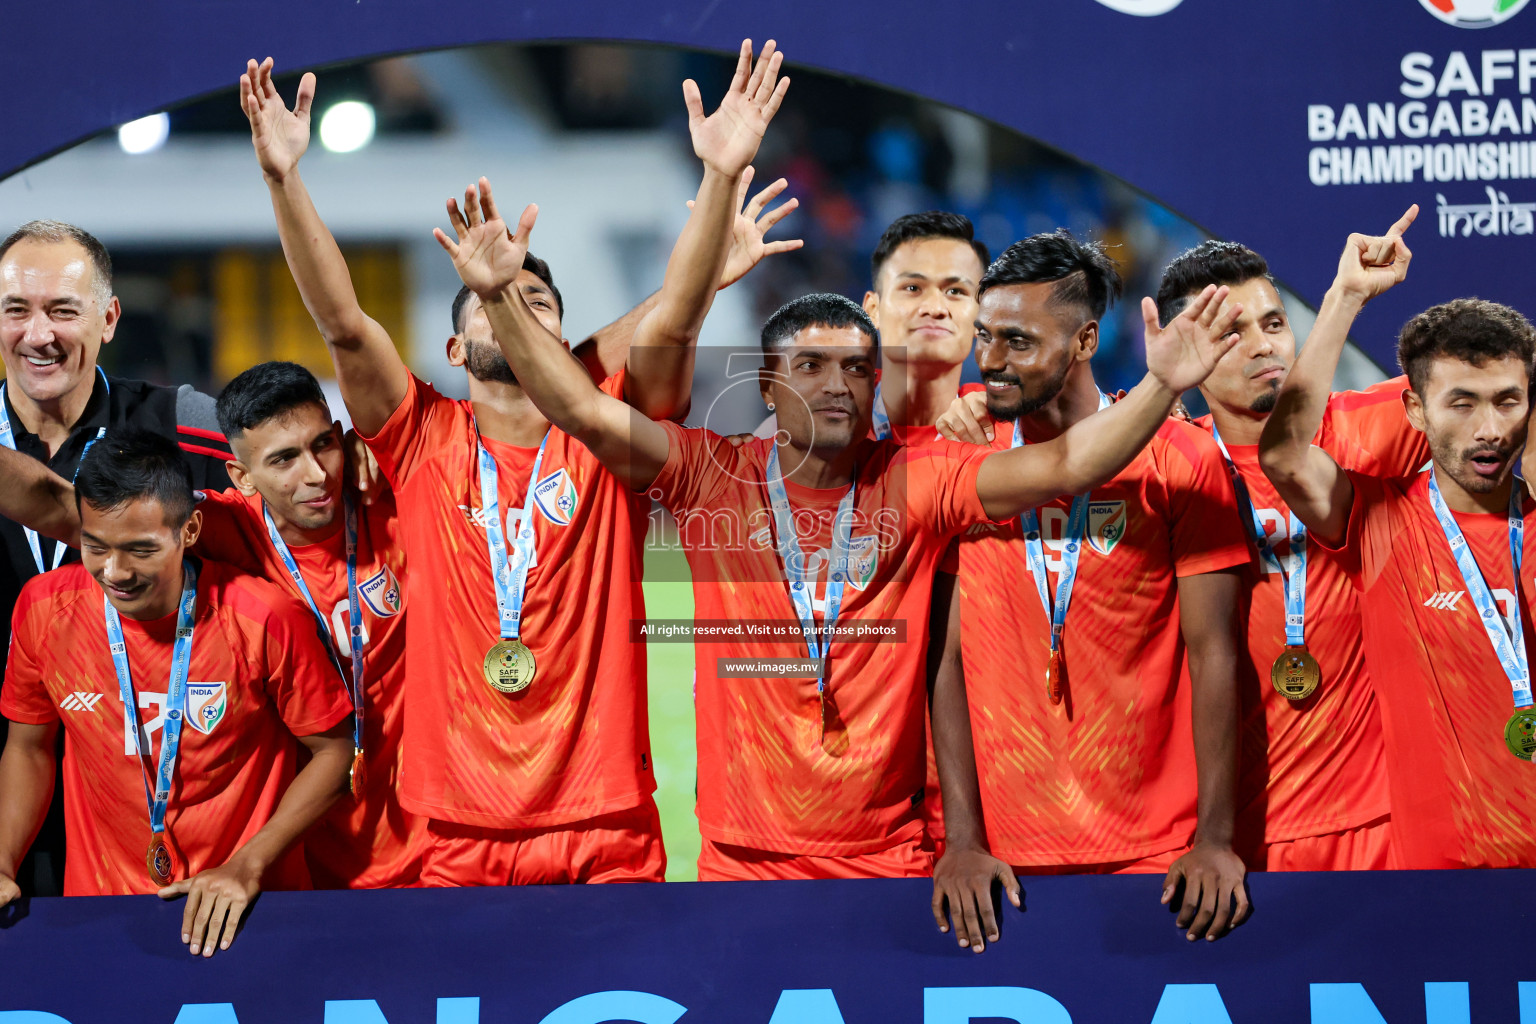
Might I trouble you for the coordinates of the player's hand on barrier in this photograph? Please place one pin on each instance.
(727, 140)
(1370, 265)
(487, 256)
(962, 892)
(747, 245)
(216, 901)
(1215, 894)
(279, 135)
(1185, 352)
(10, 892)
(363, 471)
(966, 420)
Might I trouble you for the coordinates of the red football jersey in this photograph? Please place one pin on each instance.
(1316, 766)
(765, 780)
(259, 676)
(371, 842)
(1459, 797)
(1109, 774)
(575, 744)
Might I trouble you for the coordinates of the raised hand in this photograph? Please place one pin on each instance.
(1185, 352)
(487, 256)
(747, 245)
(1372, 264)
(280, 135)
(727, 140)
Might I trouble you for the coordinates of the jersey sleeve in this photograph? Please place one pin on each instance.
(24, 698)
(1205, 530)
(1368, 431)
(224, 537)
(422, 422)
(200, 438)
(942, 485)
(1357, 554)
(697, 467)
(302, 680)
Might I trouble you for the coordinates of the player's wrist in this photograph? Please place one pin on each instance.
(1345, 297)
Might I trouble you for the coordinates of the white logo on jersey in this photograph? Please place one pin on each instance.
(80, 700)
(1445, 600)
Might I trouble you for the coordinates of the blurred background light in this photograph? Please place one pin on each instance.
(145, 135)
(347, 126)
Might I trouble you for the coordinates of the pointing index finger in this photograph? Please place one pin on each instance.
(1404, 222)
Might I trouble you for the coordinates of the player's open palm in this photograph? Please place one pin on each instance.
(1370, 265)
(1184, 353)
(727, 140)
(487, 257)
(748, 245)
(279, 135)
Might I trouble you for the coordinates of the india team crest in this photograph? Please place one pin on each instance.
(863, 560)
(556, 497)
(381, 593)
(1106, 525)
(206, 704)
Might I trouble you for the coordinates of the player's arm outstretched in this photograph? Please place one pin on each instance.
(38, 498)
(1093, 450)
(372, 375)
(1308, 479)
(26, 789)
(631, 445)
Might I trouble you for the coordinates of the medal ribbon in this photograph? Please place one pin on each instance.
(1510, 650)
(8, 439)
(1293, 574)
(801, 586)
(1071, 550)
(511, 580)
(354, 609)
(882, 418)
(175, 698)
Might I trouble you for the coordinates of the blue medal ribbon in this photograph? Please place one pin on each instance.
(511, 580)
(801, 585)
(175, 698)
(354, 609)
(8, 439)
(1293, 574)
(1510, 650)
(882, 418)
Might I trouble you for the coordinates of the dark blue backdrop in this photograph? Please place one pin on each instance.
(1319, 948)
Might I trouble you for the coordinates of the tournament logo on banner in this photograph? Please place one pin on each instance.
(381, 593)
(1106, 525)
(206, 704)
(1473, 13)
(556, 497)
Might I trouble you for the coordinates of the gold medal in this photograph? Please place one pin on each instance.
(355, 776)
(1520, 733)
(158, 860)
(1056, 677)
(1295, 673)
(509, 666)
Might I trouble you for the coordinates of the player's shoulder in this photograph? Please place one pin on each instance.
(1184, 441)
(229, 500)
(247, 596)
(1387, 393)
(54, 594)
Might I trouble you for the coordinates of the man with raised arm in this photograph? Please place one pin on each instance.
(1436, 559)
(815, 547)
(526, 742)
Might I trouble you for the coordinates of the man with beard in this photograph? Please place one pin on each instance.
(1312, 792)
(1104, 739)
(1436, 560)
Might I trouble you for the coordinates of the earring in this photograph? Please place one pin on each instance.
(770, 407)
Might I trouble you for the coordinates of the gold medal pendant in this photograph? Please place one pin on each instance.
(1520, 733)
(509, 666)
(1295, 673)
(1056, 677)
(355, 777)
(158, 860)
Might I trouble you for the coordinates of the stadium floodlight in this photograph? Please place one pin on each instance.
(347, 126)
(145, 135)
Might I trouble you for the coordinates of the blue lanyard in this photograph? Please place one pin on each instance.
(1071, 550)
(1509, 650)
(882, 418)
(354, 608)
(175, 697)
(1293, 575)
(8, 439)
(801, 586)
(511, 580)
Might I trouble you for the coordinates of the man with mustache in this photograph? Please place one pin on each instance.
(1089, 723)
(1436, 560)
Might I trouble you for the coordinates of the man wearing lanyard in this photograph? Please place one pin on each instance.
(1090, 723)
(56, 311)
(1312, 792)
(811, 719)
(181, 684)
(1436, 560)
(526, 742)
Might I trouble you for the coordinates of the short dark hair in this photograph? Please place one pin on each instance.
(131, 463)
(1211, 262)
(820, 309)
(1471, 330)
(264, 391)
(56, 231)
(915, 227)
(1085, 276)
(531, 263)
